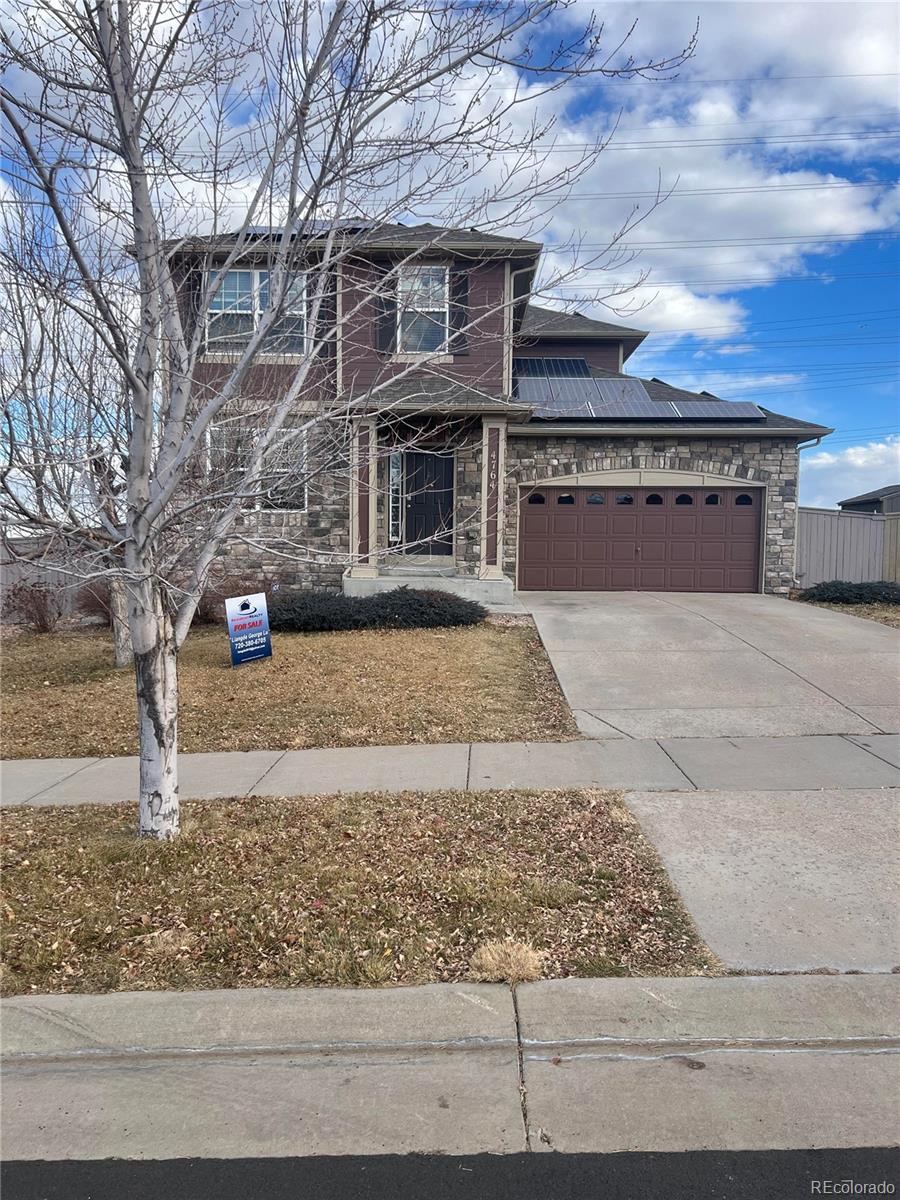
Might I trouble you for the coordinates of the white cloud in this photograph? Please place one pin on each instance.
(827, 476)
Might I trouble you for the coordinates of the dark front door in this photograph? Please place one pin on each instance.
(428, 488)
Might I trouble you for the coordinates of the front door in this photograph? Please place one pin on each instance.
(428, 494)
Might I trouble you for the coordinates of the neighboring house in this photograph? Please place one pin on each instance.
(537, 462)
(883, 500)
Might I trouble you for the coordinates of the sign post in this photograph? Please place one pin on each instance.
(248, 628)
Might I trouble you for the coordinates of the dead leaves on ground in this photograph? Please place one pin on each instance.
(352, 890)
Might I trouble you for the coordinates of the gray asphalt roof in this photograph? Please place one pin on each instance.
(889, 489)
(547, 322)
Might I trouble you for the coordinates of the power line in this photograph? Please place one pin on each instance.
(672, 194)
(752, 281)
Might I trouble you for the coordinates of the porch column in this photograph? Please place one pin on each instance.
(493, 474)
(363, 499)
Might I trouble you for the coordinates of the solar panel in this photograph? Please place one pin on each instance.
(564, 387)
(722, 410)
(557, 368)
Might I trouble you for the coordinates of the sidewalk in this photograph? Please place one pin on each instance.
(670, 764)
(589, 1065)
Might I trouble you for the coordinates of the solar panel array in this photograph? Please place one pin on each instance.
(564, 387)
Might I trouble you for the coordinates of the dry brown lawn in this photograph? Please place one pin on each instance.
(885, 614)
(62, 696)
(350, 890)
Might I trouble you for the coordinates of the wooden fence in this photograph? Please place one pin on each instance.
(854, 546)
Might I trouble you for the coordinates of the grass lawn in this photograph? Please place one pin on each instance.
(885, 614)
(63, 698)
(349, 890)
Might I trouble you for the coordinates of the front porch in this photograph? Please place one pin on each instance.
(427, 507)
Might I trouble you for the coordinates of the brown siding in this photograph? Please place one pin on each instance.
(362, 365)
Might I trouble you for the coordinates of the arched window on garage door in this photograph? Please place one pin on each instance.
(744, 500)
(536, 498)
(713, 498)
(684, 498)
(654, 498)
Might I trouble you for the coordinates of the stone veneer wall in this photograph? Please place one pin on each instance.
(772, 461)
(313, 546)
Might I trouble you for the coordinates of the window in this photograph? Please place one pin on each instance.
(596, 498)
(624, 498)
(654, 498)
(566, 498)
(713, 498)
(237, 307)
(536, 498)
(423, 309)
(283, 484)
(395, 498)
(744, 499)
(684, 498)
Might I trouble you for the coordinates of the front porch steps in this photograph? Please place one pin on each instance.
(498, 595)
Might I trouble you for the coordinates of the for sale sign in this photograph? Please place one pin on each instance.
(248, 628)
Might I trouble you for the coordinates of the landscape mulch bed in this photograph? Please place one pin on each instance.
(62, 696)
(885, 614)
(349, 890)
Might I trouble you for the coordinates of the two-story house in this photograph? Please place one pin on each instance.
(496, 445)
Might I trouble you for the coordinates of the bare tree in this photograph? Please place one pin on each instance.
(141, 134)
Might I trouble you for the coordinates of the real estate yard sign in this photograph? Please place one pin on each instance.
(248, 628)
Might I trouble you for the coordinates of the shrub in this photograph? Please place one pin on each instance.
(211, 609)
(401, 608)
(841, 591)
(93, 601)
(37, 605)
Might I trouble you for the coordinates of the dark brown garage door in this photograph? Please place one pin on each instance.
(639, 539)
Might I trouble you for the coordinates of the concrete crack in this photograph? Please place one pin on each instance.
(523, 1092)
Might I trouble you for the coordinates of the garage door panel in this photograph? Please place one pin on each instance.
(741, 552)
(623, 524)
(654, 551)
(593, 552)
(563, 578)
(653, 524)
(595, 524)
(565, 550)
(743, 524)
(623, 579)
(652, 579)
(663, 546)
(683, 524)
(713, 524)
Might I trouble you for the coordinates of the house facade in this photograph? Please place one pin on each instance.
(477, 442)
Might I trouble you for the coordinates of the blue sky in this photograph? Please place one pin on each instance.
(774, 268)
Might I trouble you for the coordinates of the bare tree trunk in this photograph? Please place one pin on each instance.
(118, 619)
(156, 676)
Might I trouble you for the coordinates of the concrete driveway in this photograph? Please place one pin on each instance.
(783, 838)
(681, 665)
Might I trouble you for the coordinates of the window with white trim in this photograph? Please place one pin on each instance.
(395, 498)
(423, 309)
(283, 486)
(237, 307)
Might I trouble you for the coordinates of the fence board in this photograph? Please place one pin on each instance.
(853, 546)
(891, 557)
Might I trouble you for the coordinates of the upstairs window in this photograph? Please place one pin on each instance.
(237, 307)
(423, 311)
